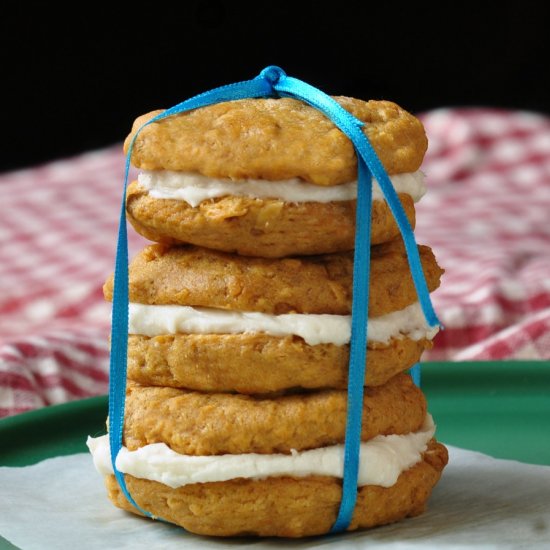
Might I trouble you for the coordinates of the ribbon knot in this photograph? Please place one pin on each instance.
(272, 74)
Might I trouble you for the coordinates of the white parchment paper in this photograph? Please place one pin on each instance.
(480, 502)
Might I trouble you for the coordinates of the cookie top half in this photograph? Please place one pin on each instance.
(198, 277)
(276, 139)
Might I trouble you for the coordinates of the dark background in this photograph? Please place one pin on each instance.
(75, 80)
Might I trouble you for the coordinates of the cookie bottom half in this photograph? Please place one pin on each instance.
(282, 506)
(268, 228)
(255, 363)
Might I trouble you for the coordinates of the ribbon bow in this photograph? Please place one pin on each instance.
(273, 82)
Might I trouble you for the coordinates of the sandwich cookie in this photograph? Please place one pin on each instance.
(268, 177)
(223, 465)
(228, 465)
(211, 321)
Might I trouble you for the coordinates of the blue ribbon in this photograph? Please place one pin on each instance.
(273, 82)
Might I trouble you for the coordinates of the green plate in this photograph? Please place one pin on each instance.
(499, 408)
(57, 430)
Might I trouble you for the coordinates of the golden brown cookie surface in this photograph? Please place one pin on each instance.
(276, 139)
(282, 506)
(268, 228)
(200, 277)
(197, 423)
(255, 363)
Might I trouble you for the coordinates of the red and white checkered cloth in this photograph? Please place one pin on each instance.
(486, 215)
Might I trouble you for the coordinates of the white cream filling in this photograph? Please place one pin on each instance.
(195, 188)
(382, 459)
(154, 320)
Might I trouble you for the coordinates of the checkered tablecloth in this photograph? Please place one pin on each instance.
(486, 215)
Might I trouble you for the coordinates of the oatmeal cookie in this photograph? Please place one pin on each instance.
(193, 276)
(276, 139)
(196, 423)
(255, 363)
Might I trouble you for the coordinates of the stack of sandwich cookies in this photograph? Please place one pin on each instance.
(240, 323)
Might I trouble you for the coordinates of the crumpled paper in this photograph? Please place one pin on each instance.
(480, 502)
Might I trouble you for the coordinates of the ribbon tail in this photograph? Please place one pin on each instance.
(407, 234)
(358, 348)
(119, 346)
(257, 87)
(351, 126)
